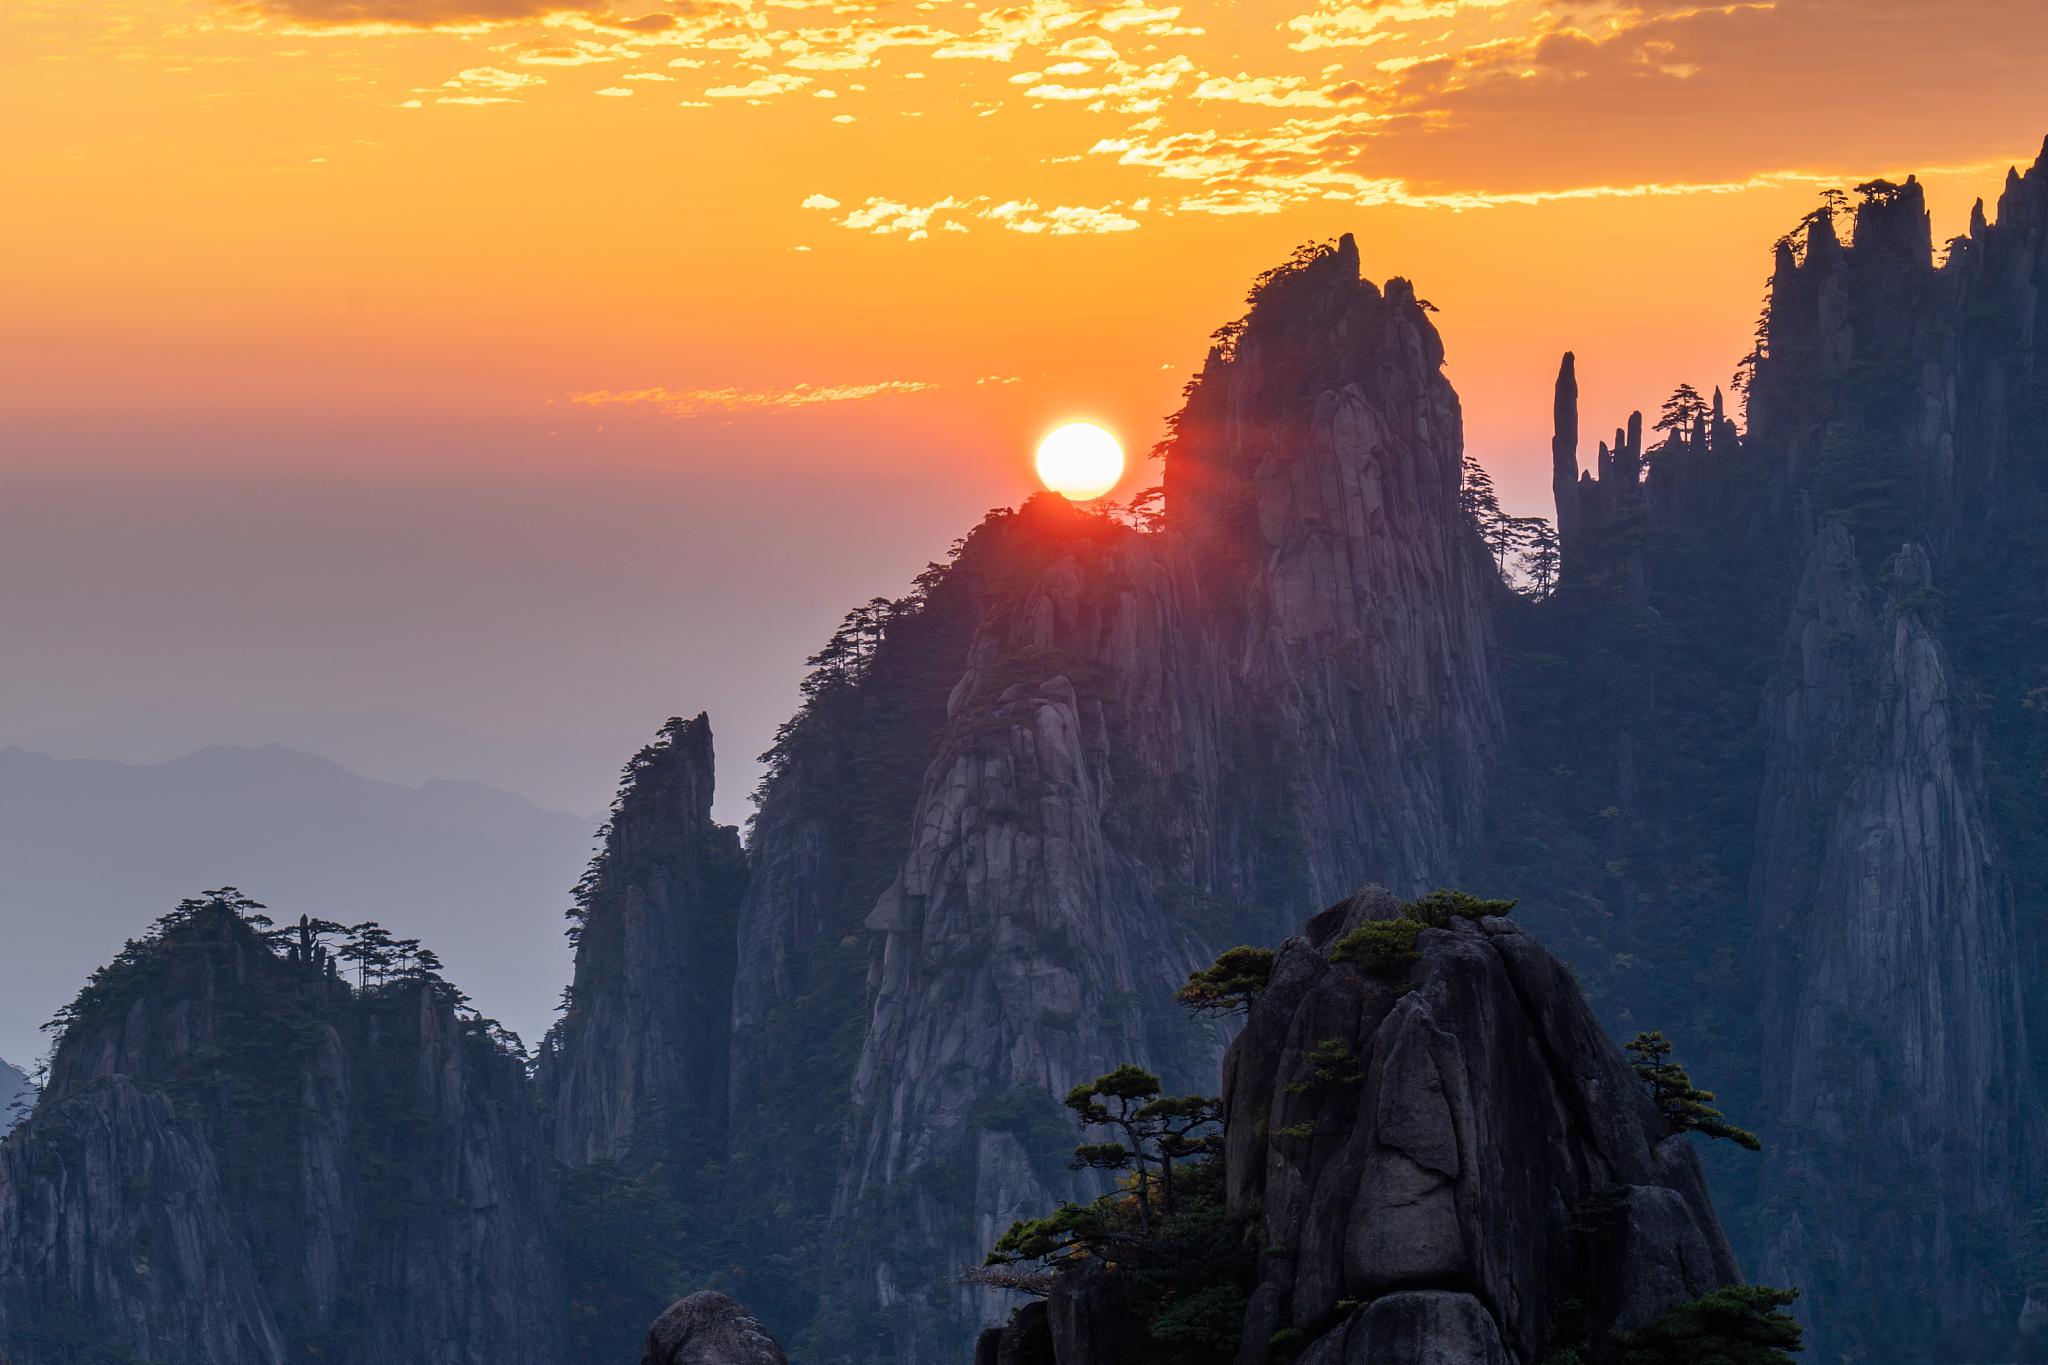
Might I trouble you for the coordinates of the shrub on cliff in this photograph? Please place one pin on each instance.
(1388, 945)
(1381, 945)
(1742, 1324)
(1230, 984)
(1441, 906)
(1686, 1107)
(1162, 1239)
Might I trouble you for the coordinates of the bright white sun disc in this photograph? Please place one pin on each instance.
(1080, 461)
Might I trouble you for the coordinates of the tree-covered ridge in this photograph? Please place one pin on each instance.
(649, 757)
(354, 1112)
(365, 960)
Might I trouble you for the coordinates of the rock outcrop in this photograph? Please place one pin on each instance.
(241, 1158)
(1445, 1160)
(647, 1034)
(708, 1328)
(1485, 1180)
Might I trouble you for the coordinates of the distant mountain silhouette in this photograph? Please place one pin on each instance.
(386, 743)
(90, 849)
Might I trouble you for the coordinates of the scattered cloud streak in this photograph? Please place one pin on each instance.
(889, 217)
(1060, 221)
(728, 401)
(400, 15)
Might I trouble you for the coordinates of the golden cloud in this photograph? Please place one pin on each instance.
(700, 402)
(400, 15)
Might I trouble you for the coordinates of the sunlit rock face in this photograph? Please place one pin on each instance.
(1314, 477)
(1164, 743)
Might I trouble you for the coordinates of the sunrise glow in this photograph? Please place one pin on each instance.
(1080, 461)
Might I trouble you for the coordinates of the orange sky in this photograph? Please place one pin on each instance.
(458, 209)
(825, 269)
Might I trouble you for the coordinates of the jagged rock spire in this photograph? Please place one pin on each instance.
(650, 1016)
(1564, 441)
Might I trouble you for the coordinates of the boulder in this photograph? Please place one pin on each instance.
(1449, 1160)
(710, 1328)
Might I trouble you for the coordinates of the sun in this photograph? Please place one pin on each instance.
(1080, 461)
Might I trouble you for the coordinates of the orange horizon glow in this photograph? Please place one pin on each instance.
(537, 239)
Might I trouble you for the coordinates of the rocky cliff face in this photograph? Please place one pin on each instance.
(106, 1199)
(638, 1063)
(1034, 925)
(1166, 740)
(1893, 998)
(241, 1158)
(1868, 560)
(1314, 475)
(1902, 402)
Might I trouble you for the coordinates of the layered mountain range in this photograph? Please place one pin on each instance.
(1762, 764)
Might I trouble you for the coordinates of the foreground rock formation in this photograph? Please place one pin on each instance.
(1441, 1161)
(1488, 1181)
(708, 1328)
